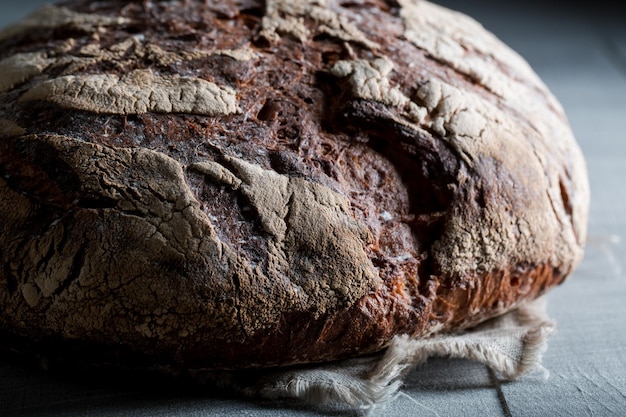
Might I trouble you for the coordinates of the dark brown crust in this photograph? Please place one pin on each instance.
(410, 189)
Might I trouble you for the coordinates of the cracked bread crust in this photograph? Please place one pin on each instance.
(248, 184)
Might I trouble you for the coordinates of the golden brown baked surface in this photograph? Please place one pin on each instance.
(240, 183)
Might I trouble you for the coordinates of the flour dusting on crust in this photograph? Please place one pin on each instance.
(52, 17)
(138, 92)
(295, 11)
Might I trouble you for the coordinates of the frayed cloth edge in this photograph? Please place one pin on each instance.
(368, 383)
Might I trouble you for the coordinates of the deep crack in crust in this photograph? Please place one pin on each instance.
(242, 184)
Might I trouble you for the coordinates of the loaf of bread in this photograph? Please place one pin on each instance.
(238, 183)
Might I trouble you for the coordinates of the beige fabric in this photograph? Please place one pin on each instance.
(511, 345)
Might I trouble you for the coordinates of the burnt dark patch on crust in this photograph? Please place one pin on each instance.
(34, 169)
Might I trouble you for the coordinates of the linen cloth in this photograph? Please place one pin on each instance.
(511, 345)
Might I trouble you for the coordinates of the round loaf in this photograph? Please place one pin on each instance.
(238, 183)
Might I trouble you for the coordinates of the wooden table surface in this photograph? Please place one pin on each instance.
(580, 52)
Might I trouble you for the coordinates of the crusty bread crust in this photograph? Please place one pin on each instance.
(238, 184)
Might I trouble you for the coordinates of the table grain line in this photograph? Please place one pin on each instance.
(501, 398)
